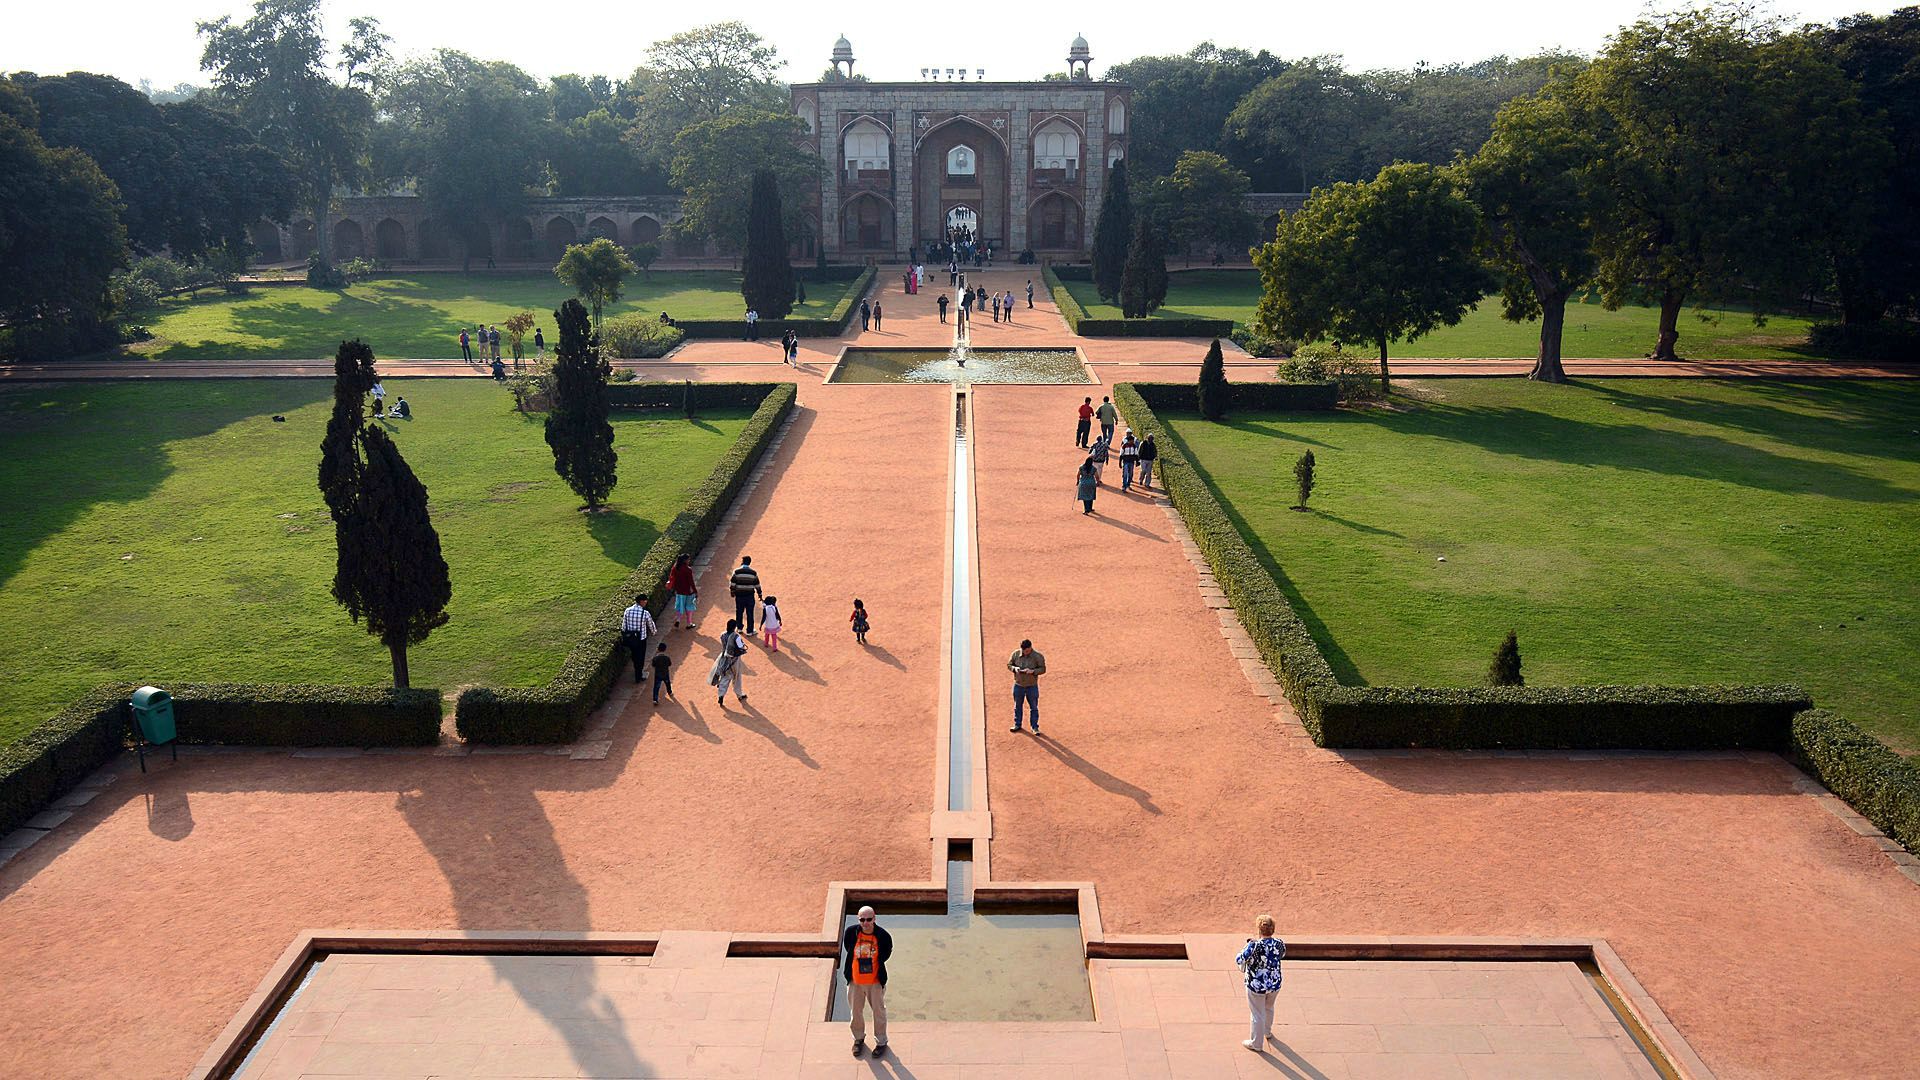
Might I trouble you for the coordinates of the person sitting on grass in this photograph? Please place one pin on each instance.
(401, 411)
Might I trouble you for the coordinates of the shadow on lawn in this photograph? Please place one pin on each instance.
(75, 446)
(1875, 418)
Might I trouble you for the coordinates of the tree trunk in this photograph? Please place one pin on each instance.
(320, 237)
(1384, 383)
(1670, 301)
(399, 651)
(1553, 321)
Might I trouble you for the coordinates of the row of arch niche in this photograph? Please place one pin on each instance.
(390, 239)
(1116, 117)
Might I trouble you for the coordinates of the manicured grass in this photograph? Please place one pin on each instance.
(420, 316)
(1592, 331)
(1631, 531)
(171, 531)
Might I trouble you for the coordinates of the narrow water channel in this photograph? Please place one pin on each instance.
(960, 657)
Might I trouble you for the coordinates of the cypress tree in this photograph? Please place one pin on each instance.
(1212, 394)
(1112, 233)
(1505, 669)
(1303, 479)
(767, 278)
(391, 572)
(577, 426)
(1143, 281)
(353, 376)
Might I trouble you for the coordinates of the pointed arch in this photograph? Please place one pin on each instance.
(962, 118)
(389, 239)
(866, 223)
(1054, 222)
(349, 241)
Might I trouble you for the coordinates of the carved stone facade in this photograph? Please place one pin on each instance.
(1024, 163)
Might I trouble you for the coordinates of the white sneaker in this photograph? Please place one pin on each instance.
(1250, 1044)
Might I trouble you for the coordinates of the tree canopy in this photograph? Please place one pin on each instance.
(596, 270)
(711, 157)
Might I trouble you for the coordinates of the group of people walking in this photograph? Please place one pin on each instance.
(1136, 455)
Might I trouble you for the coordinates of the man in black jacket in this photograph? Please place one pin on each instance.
(867, 945)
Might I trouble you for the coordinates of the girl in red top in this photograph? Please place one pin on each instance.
(680, 581)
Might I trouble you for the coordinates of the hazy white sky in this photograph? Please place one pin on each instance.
(154, 39)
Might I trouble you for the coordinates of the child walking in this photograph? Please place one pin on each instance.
(662, 673)
(770, 623)
(859, 621)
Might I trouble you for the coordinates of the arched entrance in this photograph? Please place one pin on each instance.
(266, 241)
(963, 217)
(519, 238)
(302, 239)
(1053, 223)
(348, 241)
(604, 226)
(560, 232)
(961, 163)
(390, 239)
(866, 224)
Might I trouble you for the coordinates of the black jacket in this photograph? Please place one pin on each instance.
(846, 949)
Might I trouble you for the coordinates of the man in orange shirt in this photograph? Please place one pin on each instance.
(867, 946)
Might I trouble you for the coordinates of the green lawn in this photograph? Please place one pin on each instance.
(419, 316)
(171, 531)
(1592, 331)
(1663, 531)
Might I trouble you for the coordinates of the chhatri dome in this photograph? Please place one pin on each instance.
(1079, 57)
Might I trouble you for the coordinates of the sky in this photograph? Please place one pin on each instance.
(155, 39)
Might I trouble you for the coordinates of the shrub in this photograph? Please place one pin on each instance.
(1888, 339)
(1355, 377)
(637, 336)
(1883, 786)
(1213, 394)
(1505, 669)
(358, 270)
(52, 759)
(558, 711)
(322, 275)
(1303, 479)
(1263, 345)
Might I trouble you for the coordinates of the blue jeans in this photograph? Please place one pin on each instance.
(1030, 695)
(1126, 473)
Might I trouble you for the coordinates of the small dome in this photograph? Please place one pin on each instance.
(843, 49)
(1079, 50)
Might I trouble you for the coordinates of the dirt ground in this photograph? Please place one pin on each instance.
(1780, 943)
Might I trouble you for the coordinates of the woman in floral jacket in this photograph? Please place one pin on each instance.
(1261, 962)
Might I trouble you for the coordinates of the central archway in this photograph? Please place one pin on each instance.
(961, 164)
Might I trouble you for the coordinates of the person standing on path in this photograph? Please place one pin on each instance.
(770, 624)
(1029, 292)
(540, 343)
(466, 346)
(727, 666)
(1085, 426)
(493, 340)
(1129, 460)
(866, 314)
(1098, 455)
(685, 592)
(1027, 666)
(1261, 962)
(1086, 485)
(636, 626)
(662, 672)
(942, 305)
(867, 945)
(753, 325)
(996, 307)
(876, 316)
(859, 621)
(745, 584)
(1109, 416)
(1149, 453)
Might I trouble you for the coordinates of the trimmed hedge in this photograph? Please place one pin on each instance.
(1086, 326)
(557, 712)
(673, 395)
(50, 760)
(832, 326)
(1883, 786)
(1264, 397)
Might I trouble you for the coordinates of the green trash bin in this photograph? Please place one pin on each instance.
(153, 711)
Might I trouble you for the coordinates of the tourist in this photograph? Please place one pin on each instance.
(1129, 460)
(770, 624)
(540, 343)
(859, 621)
(1261, 962)
(636, 626)
(1029, 292)
(1109, 416)
(996, 307)
(379, 393)
(1086, 484)
(400, 409)
(953, 274)
(466, 348)
(1085, 426)
(753, 325)
(493, 340)
(727, 666)
(685, 592)
(745, 584)
(662, 673)
(1027, 666)
(1148, 454)
(793, 347)
(1099, 453)
(1007, 302)
(866, 314)
(499, 370)
(868, 946)
(942, 305)
(876, 316)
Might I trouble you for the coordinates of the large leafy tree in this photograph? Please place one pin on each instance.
(445, 103)
(390, 571)
(1206, 204)
(272, 70)
(61, 237)
(1536, 181)
(577, 427)
(1438, 114)
(1308, 116)
(239, 181)
(700, 75)
(597, 270)
(592, 156)
(1112, 232)
(712, 157)
(1386, 260)
(1182, 102)
(767, 281)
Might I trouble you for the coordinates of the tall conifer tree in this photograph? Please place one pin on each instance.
(577, 428)
(391, 572)
(1112, 233)
(767, 278)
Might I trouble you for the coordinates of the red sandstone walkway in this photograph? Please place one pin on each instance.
(1781, 943)
(130, 934)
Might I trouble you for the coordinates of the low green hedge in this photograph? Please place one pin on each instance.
(52, 759)
(673, 395)
(1883, 786)
(1259, 397)
(1070, 309)
(1155, 327)
(770, 329)
(557, 712)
